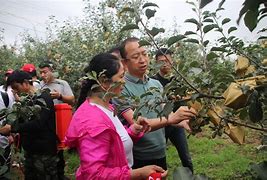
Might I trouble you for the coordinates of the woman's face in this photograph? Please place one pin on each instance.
(20, 87)
(118, 81)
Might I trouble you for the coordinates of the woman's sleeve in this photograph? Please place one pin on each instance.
(94, 154)
(135, 137)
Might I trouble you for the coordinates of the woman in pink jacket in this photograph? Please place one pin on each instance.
(103, 144)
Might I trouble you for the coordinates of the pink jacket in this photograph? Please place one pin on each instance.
(100, 148)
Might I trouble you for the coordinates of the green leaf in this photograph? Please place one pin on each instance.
(3, 169)
(242, 12)
(190, 2)
(203, 3)
(137, 112)
(150, 13)
(262, 30)
(192, 41)
(251, 19)
(262, 16)
(218, 49)
(194, 64)
(211, 56)
(231, 29)
(189, 32)
(196, 70)
(208, 20)
(226, 20)
(192, 20)
(208, 28)
(146, 94)
(195, 96)
(110, 95)
(12, 117)
(149, 4)
(127, 9)
(219, 9)
(243, 114)
(155, 31)
(129, 27)
(222, 40)
(144, 43)
(262, 37)
(205, 43)
(174, 39)
(260, 170)
(167, 109)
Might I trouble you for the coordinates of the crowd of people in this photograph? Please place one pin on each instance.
(110, 145)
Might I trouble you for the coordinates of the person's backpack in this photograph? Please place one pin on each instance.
(5, 98)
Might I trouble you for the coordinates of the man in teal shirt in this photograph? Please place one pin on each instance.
(151, 148)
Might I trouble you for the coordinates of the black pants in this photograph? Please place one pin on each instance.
(40, 167)
(141, 163)
(60, 165)
(178, 138)
(5, 160)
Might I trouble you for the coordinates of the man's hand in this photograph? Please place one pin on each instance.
(183, 113)
(141, 125)
(5, 129)
(184, 124)
(55, 94)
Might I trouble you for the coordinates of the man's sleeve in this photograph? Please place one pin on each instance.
(121, 105)
(67, 90)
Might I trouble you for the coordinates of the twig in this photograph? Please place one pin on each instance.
(201, 96)
(156, 45)
(247, 125)
(239, 123)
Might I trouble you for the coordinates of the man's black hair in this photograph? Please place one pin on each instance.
(123, 44)
(48, 64)
(162, 52)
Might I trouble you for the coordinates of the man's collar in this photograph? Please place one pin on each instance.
(136, 80)
(54, 81)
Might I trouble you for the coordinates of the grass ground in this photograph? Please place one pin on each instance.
(219, 158)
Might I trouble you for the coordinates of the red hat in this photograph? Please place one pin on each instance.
(28, 68)
(9, 71)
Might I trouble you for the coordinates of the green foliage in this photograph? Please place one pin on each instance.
(253, 11)
(258, 171)
(174, 39)
(24, 110)
(217, 158)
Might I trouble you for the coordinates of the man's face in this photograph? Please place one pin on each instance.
(46, 74)
(166, 62)
(136, 59)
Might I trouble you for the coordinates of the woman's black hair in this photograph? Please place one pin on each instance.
(104, 64)
(19, 76)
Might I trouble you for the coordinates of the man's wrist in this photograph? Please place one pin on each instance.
(60, 97)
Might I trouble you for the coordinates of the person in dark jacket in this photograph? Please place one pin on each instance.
(38, 131)
(175, 134)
